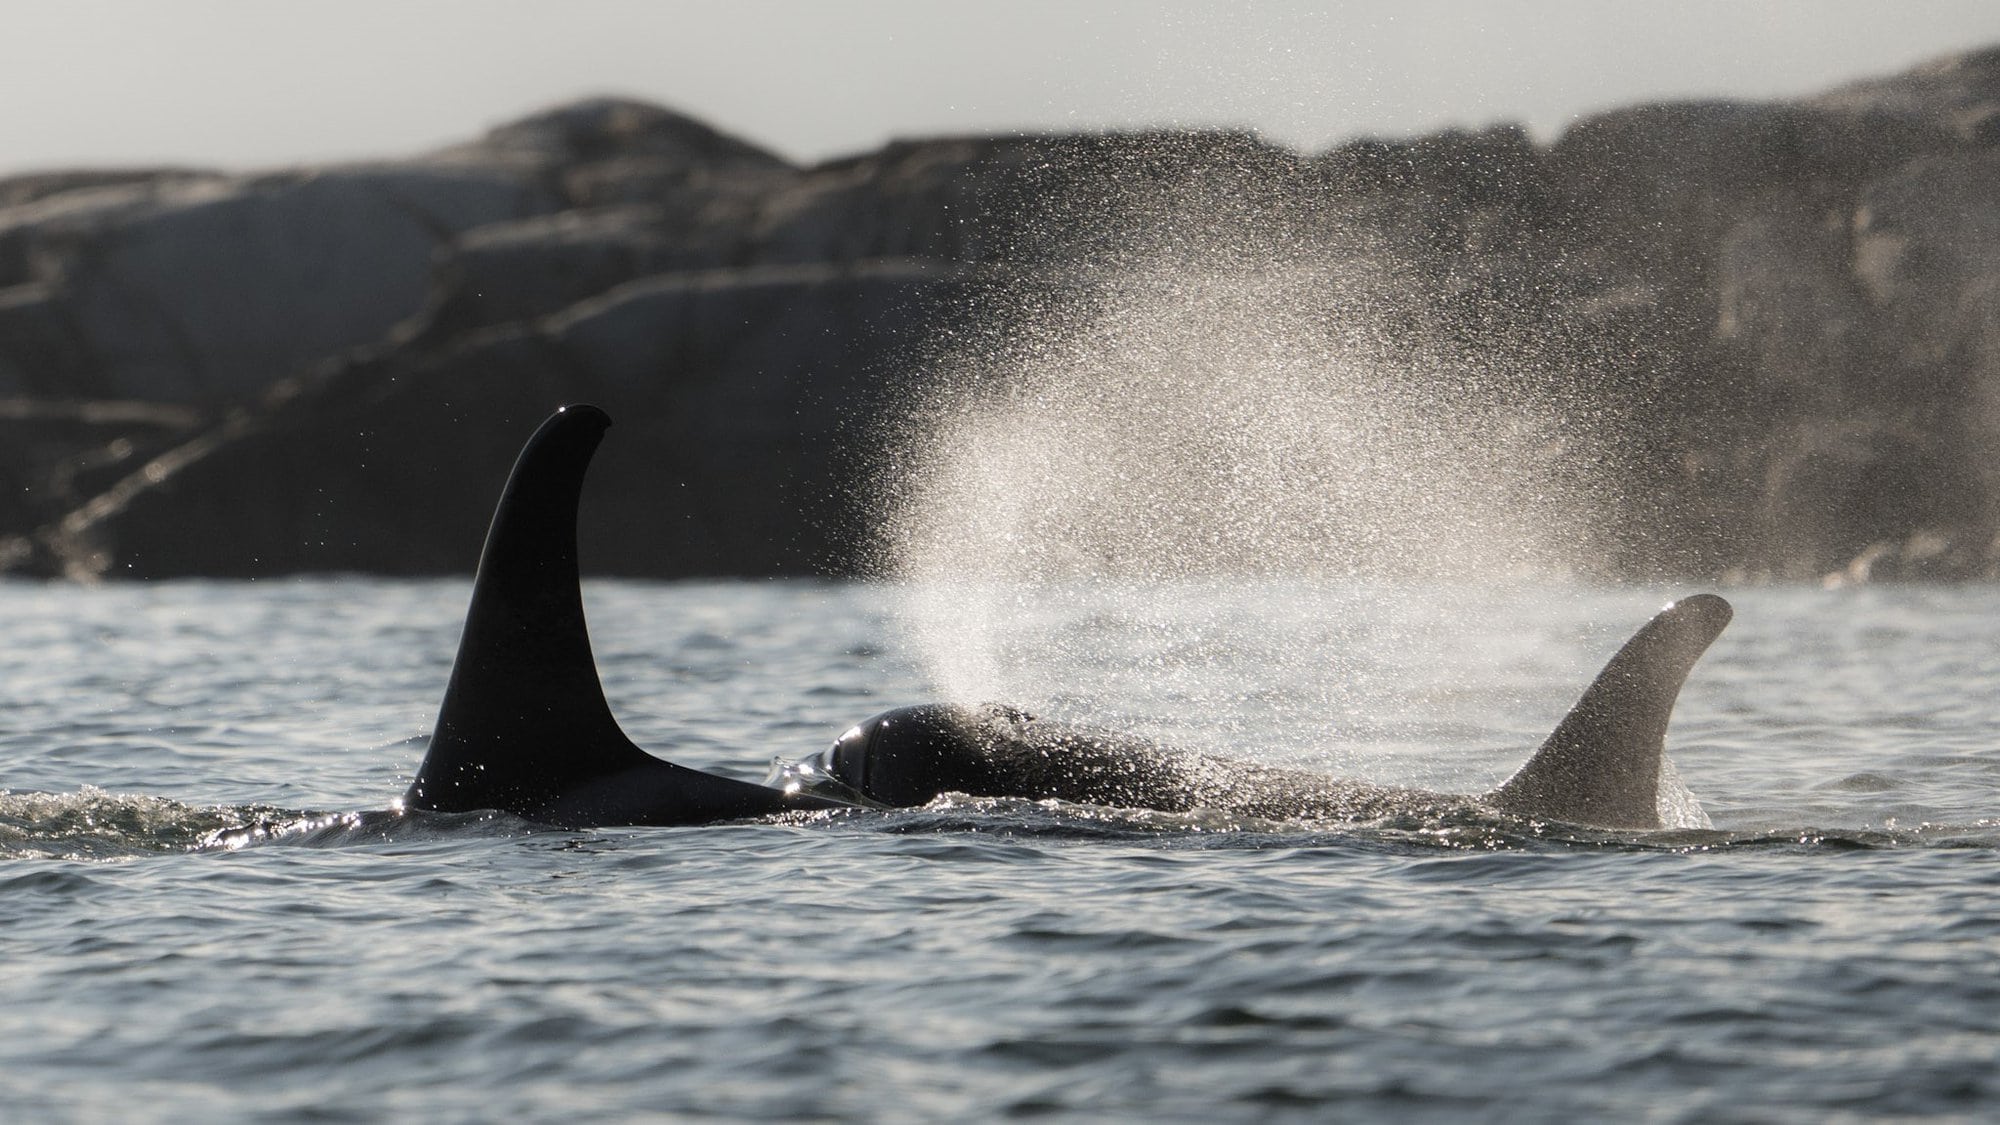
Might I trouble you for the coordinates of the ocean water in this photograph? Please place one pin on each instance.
(1828, 949)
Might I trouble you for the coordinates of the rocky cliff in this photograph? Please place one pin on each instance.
(1783, 319)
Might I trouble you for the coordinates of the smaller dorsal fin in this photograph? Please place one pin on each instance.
(1601, 766)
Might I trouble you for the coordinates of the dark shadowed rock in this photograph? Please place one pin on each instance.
(728, 434)
(517, 271)
(70, 452)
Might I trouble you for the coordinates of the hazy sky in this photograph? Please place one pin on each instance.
(249, 83)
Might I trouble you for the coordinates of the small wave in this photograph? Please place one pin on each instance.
(333, 830)
(92, 824)
(1457, 827)
(57, 884)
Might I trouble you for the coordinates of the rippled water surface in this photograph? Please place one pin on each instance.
(1831, 947)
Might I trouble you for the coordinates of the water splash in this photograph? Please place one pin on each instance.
(1124, 437)
(92, 824)
(1677, 805)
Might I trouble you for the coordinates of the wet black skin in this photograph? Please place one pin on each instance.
(1601, 765)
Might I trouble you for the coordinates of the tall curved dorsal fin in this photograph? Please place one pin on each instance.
(524, 726)
(1601, 766)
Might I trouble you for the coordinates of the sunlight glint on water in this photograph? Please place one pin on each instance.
(1825, 950)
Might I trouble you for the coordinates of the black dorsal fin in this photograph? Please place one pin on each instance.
(524, 726)
(1601, 766)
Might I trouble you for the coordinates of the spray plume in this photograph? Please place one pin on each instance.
(1208, 434)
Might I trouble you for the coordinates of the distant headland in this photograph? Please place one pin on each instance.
(1779, 323)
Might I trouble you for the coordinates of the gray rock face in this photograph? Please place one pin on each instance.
(208, 292)
(1957, 96)
(521, 270)
(1784, 318)
(586, 135)
(1927, 255)
(726, 436)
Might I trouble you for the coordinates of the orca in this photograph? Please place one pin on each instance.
(524, 727)
(1600, 767)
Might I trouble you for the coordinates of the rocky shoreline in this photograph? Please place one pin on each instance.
(1784, 317)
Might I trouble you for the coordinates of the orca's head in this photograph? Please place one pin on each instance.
(903, 758)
